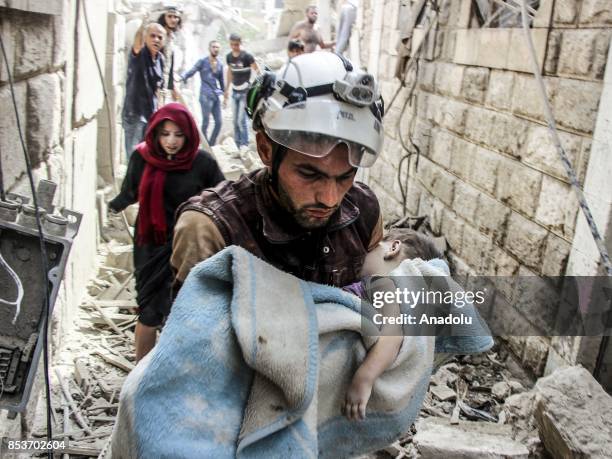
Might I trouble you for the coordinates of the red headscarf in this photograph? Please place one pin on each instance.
(152, 227)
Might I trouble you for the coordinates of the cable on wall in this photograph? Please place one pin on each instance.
(552, 127)
(43, 252)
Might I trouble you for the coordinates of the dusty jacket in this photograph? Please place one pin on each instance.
(246, 214)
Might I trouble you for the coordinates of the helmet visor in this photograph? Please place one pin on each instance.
(320, 145)
(316, 127)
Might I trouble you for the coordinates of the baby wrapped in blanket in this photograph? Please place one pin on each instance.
(399, 244)
(255, 363)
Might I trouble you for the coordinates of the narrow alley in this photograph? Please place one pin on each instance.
(483, 132)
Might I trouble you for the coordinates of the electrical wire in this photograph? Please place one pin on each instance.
(603, 253)
(2, 193)
(17, 302)
(407, 157)
(412, 62)
(414, 57)
(109, 112)
(552, 127)
(43, 252)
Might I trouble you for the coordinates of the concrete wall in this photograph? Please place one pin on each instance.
(488, 175)
(59, 98)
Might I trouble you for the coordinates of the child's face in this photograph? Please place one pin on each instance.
(374, 263)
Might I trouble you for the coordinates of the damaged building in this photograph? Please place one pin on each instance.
(468, 156)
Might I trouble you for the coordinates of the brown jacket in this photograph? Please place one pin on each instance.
(245, 213)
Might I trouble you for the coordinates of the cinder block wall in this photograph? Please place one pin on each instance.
(488, 174)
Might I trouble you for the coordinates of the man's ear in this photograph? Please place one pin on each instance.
(264, 148)
(394, 250)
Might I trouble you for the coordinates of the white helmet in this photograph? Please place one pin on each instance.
(315, 102)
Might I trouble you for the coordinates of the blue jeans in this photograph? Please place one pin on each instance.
(211, 105)
(241, 130)
(134, 131)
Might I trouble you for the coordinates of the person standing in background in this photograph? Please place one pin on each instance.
(144, 81)
(212, 85)
(240, 65)
(308, 32)
(171, 20)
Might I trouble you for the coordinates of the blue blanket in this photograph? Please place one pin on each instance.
(255, 363)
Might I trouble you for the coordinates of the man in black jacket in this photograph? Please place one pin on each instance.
(144, 80)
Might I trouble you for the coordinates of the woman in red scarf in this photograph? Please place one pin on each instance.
(164, 171)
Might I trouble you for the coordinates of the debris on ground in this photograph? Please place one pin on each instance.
(573, 414)
(234, 161)
(464, 412)
(437, 438)
(96, 358)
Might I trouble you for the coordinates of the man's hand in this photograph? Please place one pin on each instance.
(357, 397)
(225, 97)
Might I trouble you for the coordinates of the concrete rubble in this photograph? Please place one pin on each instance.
(96, 357)
(573, 414)
(566, 414)
(437, 438)
(234, 161)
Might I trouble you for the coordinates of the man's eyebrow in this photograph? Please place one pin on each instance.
(311, 168)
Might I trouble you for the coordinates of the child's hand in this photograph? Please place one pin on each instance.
(357, 398)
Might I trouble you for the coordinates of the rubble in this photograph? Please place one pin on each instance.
(443, 393)
(573, 414)
(120, 256)
(518, 413)
(96, 357)
(437, 438)
(501, 390)
(234, 161)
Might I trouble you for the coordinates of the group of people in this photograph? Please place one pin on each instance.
(151, 77)
(151, 80)
(302, 212)
(216, 82)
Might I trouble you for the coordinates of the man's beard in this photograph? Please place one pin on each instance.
(300, 215)
(312, 20)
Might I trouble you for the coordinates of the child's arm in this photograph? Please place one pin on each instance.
(379, 358)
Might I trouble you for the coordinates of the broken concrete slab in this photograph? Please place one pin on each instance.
(234, 161)
(120, 256)
(501, 390)
(444, 377)
(516, 387)
(519, 408)
(436, 438)
(573, 414)
(443, 393)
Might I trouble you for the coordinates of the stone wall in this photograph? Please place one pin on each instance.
(59, 99)
(488, 175)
